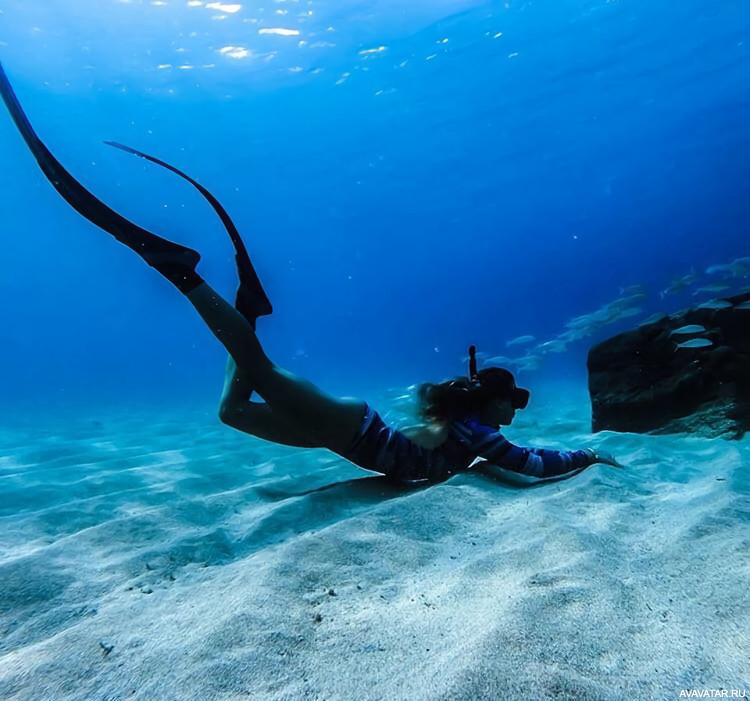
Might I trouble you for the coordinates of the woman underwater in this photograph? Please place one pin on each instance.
(466, 413)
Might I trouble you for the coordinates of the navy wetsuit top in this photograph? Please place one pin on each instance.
(383, 449)
(488, 443)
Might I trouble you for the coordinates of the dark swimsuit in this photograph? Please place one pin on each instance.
(380, 448)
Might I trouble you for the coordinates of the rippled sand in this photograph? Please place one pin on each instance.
(162, 555)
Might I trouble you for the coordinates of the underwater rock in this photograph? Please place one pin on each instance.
(640, 381)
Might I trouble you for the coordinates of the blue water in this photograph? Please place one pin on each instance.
(408, 179)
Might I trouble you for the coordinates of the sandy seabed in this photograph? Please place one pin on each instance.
(160, 555)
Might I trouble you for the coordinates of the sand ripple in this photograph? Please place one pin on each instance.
(177, 559)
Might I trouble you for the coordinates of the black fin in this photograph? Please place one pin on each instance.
(170, 258)
(252, 300)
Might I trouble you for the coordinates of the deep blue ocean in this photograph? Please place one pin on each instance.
(530, 176)
(409, 179)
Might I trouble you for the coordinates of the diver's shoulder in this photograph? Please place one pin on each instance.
(431, 435)
(468, 426)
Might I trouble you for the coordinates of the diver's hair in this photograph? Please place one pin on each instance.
(446, 401)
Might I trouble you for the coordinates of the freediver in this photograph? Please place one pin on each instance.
(464, 415)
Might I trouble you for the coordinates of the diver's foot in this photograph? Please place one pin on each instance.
(251, 300)
(176, 264)
(251, 305)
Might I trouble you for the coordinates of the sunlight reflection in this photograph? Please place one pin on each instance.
(282, 32)
(231, 9)
(367, 52)
(235, 51)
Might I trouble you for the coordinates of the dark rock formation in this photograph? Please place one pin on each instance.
(639, 381)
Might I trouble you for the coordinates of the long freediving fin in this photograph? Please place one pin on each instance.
(252, 300)
(169, 258)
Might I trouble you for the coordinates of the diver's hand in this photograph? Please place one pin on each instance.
(604, 458)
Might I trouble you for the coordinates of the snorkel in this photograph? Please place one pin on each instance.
(498, 381)
(473, 378)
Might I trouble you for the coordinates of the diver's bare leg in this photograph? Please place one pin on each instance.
(315, 415)
(237, 385)
(236, 410)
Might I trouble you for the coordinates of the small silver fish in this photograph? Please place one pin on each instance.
(711, 288)
(551, 347)
(479, 354)
(722, 269)
(715, 304)
(633, 290)
(530, 362)
(633, 311)
(695, 343)
(497, 360)
(740, 267)
(654, 317)
(624, 302)
(690, 328)
(680, 283)
(573, 335)
(737, 268)
(521, 340)
(580, 322)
